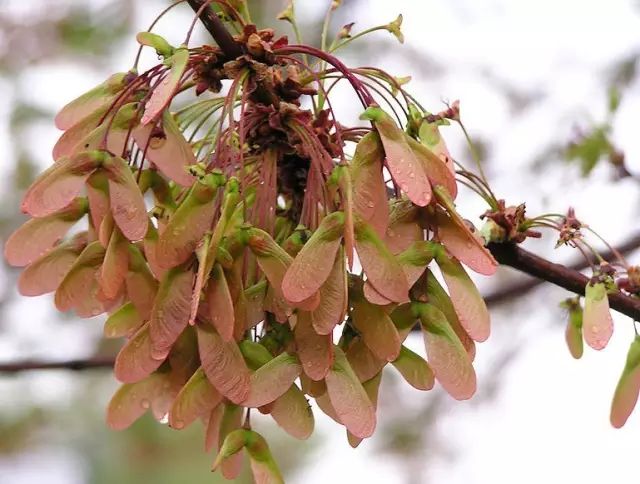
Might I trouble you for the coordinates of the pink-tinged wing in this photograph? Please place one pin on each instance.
(436, 169)
(69, 142)
(440, 299)
(263, 466)
(333, 299)
(232, 444)
(142, 287)
(255, 354)
(312, 388)
(447, 357)
(414, 369)
(45, 274)
(220, 303)
(79, 290)
(314, 350)
(164, 92)
(223, 364)
(349, 399)
(369, 190)
(38, 235)
(187, 226)
(274, 262)
(97, 188)
(132, 400)
(196, 399)
(212, 433)
(135, 360)
(324, 404)
(429, 134)
(468, 303)
(346, 189)
(403, 229)
(94, 100)
(597, 325)
(370, 386)
(573, 332)
(150, 244)
(254, 298)
(364, 363)
(168, 150)
(414, 260)
(231, 421)
(292, 412)
(271, 380)
(377, 330)
(464, 245)
(60, 184)
(115, 266)
(382, 269)
(405, 168)
(171, 308)
(123, 323)
(127, 202)
(405, 319)
(309, 269)
(626, 394)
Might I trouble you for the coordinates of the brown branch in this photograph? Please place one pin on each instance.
(520, 288)
(74, 365)
(217, 29)
(565, 277)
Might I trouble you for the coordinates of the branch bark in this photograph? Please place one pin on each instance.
(519, 289)
(217, 29)
(565, 277)
(73, 365)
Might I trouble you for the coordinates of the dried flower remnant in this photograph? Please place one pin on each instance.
(221, 237)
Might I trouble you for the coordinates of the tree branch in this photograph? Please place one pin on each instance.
(518, 289)
(217, 29)
(74, 365)
(565, 277)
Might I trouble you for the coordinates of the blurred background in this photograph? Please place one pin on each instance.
(550, 94)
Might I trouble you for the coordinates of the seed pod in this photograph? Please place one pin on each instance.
(162, 94)
(127, 203)
(123, 323)
(272, 380)
(45, 274)
(34, 238)
(626, 394)
(349, 398)
(97, 98)
(446, 355)
(573, 332)
(468, 303)
(292, 412)
(414, 369)
(196, 399)
(223, 364)
(377, 330)
(382, 269)
(132, 400)
(135, 361)
(171, 308)
(309, 269)
(597, 324)
(369, 190)
(60, 184)
(405, 169)
(168, 149)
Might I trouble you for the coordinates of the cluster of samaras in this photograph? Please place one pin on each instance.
(234, 286)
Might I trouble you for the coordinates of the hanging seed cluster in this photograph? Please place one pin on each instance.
(247, 260)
